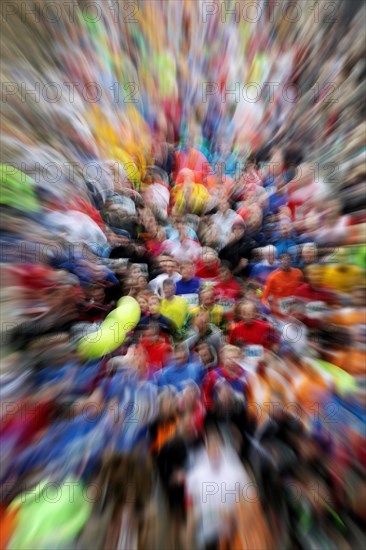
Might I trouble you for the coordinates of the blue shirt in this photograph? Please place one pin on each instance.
(180, 375)
(276, 201)
(237, 383)
(261, 271)
(188, 287)
(173, 234)
(287, 245)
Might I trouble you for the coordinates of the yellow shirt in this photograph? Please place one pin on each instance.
(216, 313)
(175, 309)
(196, 199)
(342, 277)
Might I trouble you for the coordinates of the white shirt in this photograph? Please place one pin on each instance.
(156, 285)
(224, 223)
(183, 251)
(215, 488)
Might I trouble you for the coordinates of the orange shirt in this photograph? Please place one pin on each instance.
(252, 529)
(352, 360)
(165, 432)
(8, 522)
(348, 317)
(282, 284)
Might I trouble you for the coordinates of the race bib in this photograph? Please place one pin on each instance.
(254, 353)
(314, 310)
(285, 305)
(227, 305)
(208, 283)
(115, 263)
(210, 520)
(191, 299)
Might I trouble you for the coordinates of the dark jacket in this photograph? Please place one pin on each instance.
(234, 252)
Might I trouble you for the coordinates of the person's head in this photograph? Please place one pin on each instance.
(135, 271)
(284, 213)
(255, 220)
(207, 297)
(141, 283)
(94, 292)
(154, 304)
(281, 186)
(182, 230)
(333, 210)
(187, 175)
(160, 234)
(181, 353)
(113, 238)
(169, 288)
(285, 261)
(230, 356)
(170, 266)
(142, 300)
(359, 297)
(223, 205)
(251, 292)
(209, 258)
(225, 271)
(202, 320)
(314, 275)
(309, 253)
(139, 358)
(220, 170)
(130, 284)
(167, 402)
(269, 253)
(187, 270)
(248, 312)
(190, 395)
(250, 164)
(292, 157)
(214, 445)
(238, 230)
(163, 259)
(275, 160)
(224, 395)
(186, 424)
(152, 330)
(285, 230)
(205, 353)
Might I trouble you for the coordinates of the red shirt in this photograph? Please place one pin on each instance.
(258, 333)
(82, 205)
(310, 294)
(34, 276)
(154, 247)
(228, 289)
(203, 272)
(157, 351)
(26, 418)
(235, 380)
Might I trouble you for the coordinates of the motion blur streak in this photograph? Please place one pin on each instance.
(183, 274)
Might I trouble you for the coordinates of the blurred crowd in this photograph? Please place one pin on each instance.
(232, 415)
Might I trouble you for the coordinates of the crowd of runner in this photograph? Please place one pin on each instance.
(232, 414)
